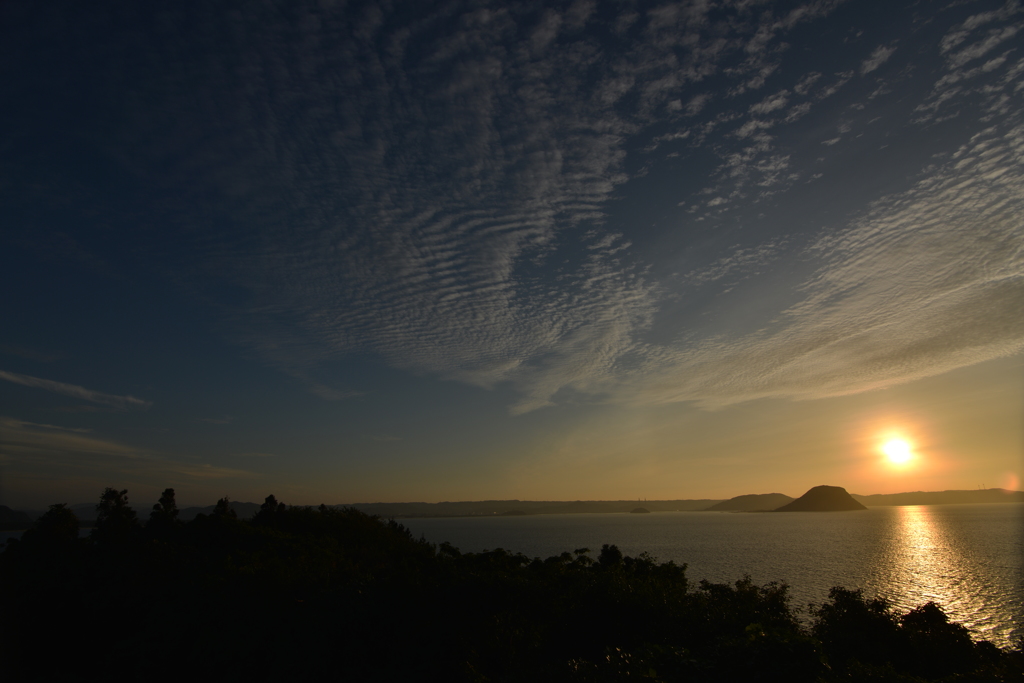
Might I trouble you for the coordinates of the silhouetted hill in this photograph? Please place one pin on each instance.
(640, 511)
(12, 520)
(752, 502)
(942, 497)
(823, 499)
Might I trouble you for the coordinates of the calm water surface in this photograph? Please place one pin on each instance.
(967, 558)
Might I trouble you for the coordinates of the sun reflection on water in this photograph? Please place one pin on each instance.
(926, 560)
(967, 558)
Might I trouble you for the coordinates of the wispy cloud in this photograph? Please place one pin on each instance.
(71, 450)
(75, 391)
(958, 34)
(926, 281)
(983, 46)
(830, 90)
(990, 82)
(742, 261)
(39, 425)
(771, 103)
(697, 103)
(429, 221)
(18, 435)
(879, 57)
(798, 111)
(803, 86)
(435, 220)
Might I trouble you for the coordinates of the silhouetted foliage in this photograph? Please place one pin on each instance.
(340, 594)
(163, 519)
(58, 525)
(116, 522)
(933, 646)
(222, 510)
(852, 628)
(54, 535)
(165, 508)
(271, 511)
(610, 557)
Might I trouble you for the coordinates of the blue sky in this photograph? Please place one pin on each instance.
(348, 252)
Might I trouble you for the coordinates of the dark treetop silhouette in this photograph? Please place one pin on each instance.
(299, 593)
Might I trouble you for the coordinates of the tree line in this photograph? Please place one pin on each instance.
(300, 592)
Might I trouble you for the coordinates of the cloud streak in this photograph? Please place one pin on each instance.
(879, 57)
(29, 443)
(75, 391)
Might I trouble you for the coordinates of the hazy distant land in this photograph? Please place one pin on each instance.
(14, 519)
(752, 502)
(941, 497)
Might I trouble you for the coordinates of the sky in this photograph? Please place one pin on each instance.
(351, 252)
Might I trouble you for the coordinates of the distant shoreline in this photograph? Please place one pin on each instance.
(1017, 500)
(509, 508)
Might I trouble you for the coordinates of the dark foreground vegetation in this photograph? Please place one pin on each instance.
(325, 594)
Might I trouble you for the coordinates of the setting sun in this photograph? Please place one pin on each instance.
(897, 451)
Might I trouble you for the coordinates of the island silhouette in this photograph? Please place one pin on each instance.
(823, 499)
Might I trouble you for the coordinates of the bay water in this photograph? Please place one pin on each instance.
(967, 558)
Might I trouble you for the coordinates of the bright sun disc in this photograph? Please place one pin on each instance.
(897, 451)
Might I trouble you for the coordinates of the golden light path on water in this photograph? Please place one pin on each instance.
(967, 558)
(927, 559)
